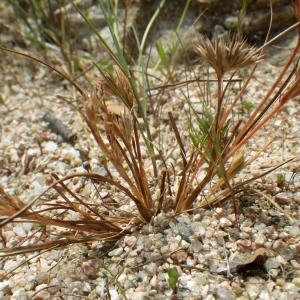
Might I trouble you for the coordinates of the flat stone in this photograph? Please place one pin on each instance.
(286, 253)
(271, 263)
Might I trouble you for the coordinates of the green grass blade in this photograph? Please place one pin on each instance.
(162, 55)
(147, 30)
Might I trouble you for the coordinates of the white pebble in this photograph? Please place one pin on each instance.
(151, 269)
(19, 230)
(4, 287)
(137, 295)
(9, 265)
(19, 294)
(194, 286)
(116, 252)
(225, 222)
(50, 146)
(281, 260)
(114, 295)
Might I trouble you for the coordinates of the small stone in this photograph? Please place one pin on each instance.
(122, 278)
(269, 230)
(281, 260)
(294, 231)
(130, 240)
(247, 244)
(55, 284)
(219, 212)
(19, 230)
(196, 245)
(283, 235)
(274, 272)
(154, 282)
(131, 262)
(19, 294)
(197, 227)
(77, 285)
(181, 256)
(50, 146)
(224, 222)
(283, 198)
(41, 286)
(165, 250)
(4, 287)
(9, 265)
(259, 240)
(184, 230)
(43, 295)
(200, 279)
(151, 269)
(268, 245)
(209, 233)
(196, 218)
(272, 189)
(288, 286)
(286, 253)
(90, 268)
(116, 252)
(193, 286)
(296, 265)
(30, 285)
(206, 221)
(295, 248)
(114, 295)
(128, 284)
(271, 263)
(137, 295)
(244, 235)
(296, 282)
(44, 264)
(274, 236)
(225, 294)
(280, 281)
(279, 244)
(141, 288)
(236, 288)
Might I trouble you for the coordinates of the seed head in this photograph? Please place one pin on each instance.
(227, 54)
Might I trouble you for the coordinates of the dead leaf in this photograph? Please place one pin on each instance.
(259, 256)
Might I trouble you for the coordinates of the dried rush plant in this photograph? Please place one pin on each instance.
(220, 148)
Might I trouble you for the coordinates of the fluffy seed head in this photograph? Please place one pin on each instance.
(227, 54)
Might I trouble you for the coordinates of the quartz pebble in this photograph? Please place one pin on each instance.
(130, 241)
(116, 252)
(224, 294)
(224, 222)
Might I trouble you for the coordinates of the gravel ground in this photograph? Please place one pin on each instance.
(214, 259)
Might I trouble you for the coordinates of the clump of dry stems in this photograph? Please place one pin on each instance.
(221, 149)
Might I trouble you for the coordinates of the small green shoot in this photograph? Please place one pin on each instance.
(173, 281)
(240, 16)
(163, 56)
(280, 179)
(248, 106)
